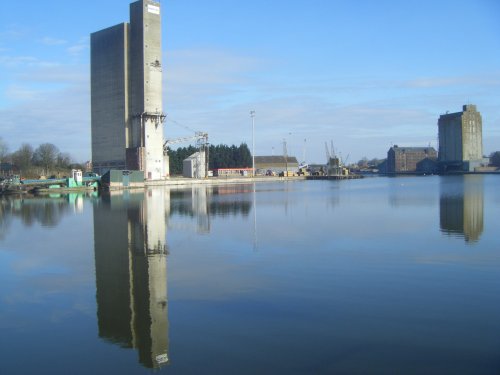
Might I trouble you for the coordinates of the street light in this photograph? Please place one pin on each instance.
(252, 115)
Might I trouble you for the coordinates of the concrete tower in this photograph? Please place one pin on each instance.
(126, 94)
(461, 139)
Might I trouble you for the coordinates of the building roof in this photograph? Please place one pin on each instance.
(413, 149)
(276, 160)
(196, 155)
(465, 108)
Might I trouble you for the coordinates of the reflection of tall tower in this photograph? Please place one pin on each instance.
(461, 206)
(131, 274)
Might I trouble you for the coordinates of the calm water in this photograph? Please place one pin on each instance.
(380, 275)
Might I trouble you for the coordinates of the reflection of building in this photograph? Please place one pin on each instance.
(461, 139)
(411, 160)
(203, 202)
(131, 273)
(461, 206)
(126, 94)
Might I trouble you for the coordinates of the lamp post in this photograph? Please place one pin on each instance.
(252, 115)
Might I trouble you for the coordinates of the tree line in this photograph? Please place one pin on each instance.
(28, 161)
(220, 156)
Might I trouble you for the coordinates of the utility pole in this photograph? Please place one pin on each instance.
(252, 115)
(285, 155)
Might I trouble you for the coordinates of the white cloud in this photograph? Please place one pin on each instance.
(48, 41)
(439, 82)
(78, 48)
(24, 61)
(17, 92)
(67, 74)
(12, 32)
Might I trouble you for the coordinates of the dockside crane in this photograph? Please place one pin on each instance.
(201, 139)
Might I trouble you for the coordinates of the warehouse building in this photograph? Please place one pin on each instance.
(276, 164)
(411, 160)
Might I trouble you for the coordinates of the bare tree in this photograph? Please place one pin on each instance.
(63, 160)
(4, 150)
(23, 157)
(46, 156)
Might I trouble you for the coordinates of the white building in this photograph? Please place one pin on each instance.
(195, 166)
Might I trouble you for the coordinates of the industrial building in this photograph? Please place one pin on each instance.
(126, 94)
(276, 164)
(195, 166)
(461, 140)
(411, 160)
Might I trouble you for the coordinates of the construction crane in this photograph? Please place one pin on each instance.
(201, 139)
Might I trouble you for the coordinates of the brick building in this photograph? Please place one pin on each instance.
(411, 160)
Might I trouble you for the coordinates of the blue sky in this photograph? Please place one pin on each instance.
(361, 74)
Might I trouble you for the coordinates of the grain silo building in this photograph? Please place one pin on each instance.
(126, 94)
(461, 140)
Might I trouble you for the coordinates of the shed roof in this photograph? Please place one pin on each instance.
(413, 149)
(280, 159)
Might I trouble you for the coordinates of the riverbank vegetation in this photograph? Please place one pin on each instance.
(29, 162)
(220, 156)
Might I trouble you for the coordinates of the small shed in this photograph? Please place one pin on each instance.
(122, 179)
(195, 166)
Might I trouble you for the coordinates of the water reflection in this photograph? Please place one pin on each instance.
(203, 202)
(47, 211)
(131, 260)
(131, 273)
(462, 206)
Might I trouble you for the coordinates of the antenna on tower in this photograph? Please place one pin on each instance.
(304, 152)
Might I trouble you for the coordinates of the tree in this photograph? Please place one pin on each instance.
(495, 159)
(46, 156)
(220, 156)
(63, 160)
(23, 157)
(4, 150)
(245, 156)
(363, 163)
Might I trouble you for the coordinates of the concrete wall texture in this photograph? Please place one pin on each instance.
(461, 136)
(126, 93)
(109, 97)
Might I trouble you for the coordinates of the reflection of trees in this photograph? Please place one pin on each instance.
(46, 211)
(214, 208)
(212, 201)
(461, 206)
(5, 217)
(230, 208)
